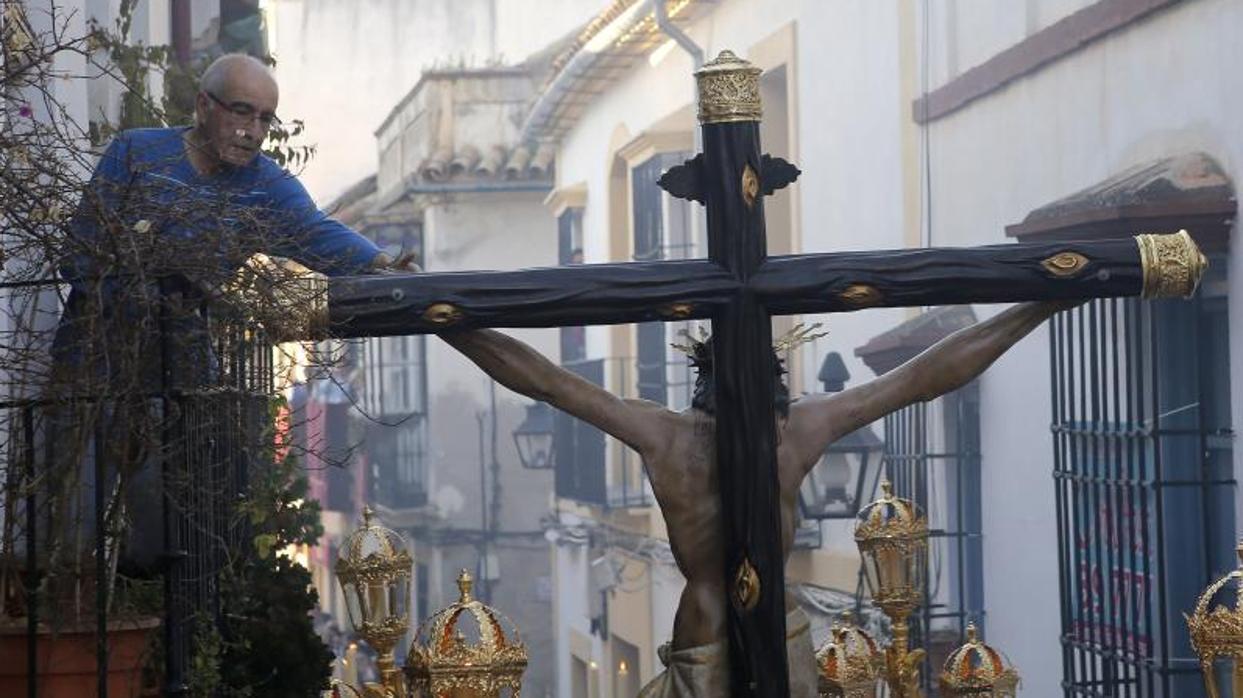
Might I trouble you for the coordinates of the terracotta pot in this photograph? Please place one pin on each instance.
(66, 660)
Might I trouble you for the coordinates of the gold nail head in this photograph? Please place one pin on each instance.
(750, 186)
(677, 311)
(442, 314)
(860, 295)
(747, 585)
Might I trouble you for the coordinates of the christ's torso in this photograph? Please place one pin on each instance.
(684, 479)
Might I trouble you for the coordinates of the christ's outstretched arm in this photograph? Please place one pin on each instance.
(644, 426)
(953, 362)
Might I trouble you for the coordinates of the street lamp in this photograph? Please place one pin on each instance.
(834, 488)
(534, 437)
(374, 572)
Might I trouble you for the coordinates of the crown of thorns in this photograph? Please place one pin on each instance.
(700, 353)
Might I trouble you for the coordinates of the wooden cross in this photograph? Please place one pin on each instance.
(739, 287)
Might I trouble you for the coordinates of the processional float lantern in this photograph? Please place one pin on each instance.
(1216, 628)
(466, 649)
(850, 663)
(978, 671)
(374, 572)
(892, 535)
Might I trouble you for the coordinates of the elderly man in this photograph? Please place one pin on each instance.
(183, 208)
(166, 221)
(678, 448)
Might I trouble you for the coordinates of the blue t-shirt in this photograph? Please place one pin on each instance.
(149, 225)
(145, 175)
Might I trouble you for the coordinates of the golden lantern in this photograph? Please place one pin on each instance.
(465, 650)
(1217, 634)
(977, 670)
(850, 663)
(892, 535)
(374, 571)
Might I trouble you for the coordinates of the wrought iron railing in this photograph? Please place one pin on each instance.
(187, 455)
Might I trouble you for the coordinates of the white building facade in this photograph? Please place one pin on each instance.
(1019, 110)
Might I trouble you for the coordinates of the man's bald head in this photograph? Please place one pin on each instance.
(232, 68)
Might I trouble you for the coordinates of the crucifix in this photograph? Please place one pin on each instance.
(739, 288)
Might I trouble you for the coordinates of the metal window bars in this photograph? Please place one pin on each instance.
(1144, 488)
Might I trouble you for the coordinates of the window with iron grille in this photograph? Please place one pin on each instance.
(394, 396)
(1144, 490)
(663, 229)
(579, 447)
(570, 251)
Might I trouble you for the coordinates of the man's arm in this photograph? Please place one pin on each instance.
(949, 364)
(644, 426)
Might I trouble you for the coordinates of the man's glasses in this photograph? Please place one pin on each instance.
(246, 112)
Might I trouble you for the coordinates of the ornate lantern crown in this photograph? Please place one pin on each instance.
(975, 669)
(1218, 633)
(374, 571)
(892, 535)
(850, 663)
(466, 646)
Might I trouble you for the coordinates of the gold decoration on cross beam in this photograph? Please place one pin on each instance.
(443, 314)
(750, 186)
(747, 585)
(729, 90)
(1065, 264)
(860, 295)
(1172, 265)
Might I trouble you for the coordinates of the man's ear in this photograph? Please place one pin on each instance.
(200, 108)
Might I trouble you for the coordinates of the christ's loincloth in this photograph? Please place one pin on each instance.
(703, 672)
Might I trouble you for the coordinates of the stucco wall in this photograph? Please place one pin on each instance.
(1159, 88)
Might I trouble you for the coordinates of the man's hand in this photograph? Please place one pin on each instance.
(384, 264)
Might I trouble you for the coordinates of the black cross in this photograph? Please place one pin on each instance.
(739, 287)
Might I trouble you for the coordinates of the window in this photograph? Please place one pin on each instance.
(1143, 468)
(394, 396)
(663, 229)
(580, 447)
(1141, 437)
(570, 251)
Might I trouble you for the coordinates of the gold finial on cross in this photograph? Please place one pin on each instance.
(729, 90)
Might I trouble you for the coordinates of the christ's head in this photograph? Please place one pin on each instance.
(704, 398)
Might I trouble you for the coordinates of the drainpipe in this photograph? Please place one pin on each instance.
(179, 11)
(696, 53)
(668, 29)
